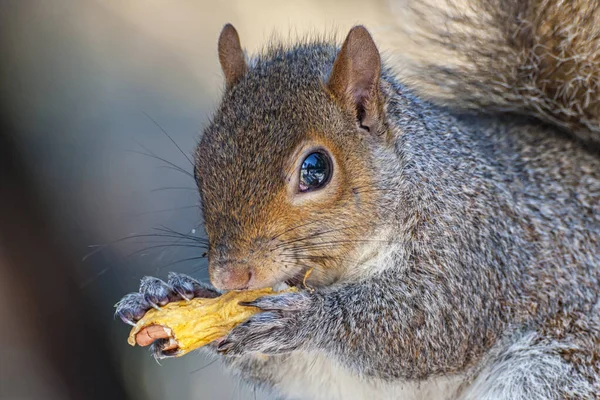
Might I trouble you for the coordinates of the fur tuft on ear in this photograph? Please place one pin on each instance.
(231, 56)
(354, 80)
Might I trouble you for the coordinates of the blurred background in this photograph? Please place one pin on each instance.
(94, 195)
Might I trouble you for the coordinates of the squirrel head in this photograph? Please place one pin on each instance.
(285, 169)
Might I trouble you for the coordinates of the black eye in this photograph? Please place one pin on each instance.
(315, 171)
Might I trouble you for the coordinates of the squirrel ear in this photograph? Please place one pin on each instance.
(231, 56)
(354, 80)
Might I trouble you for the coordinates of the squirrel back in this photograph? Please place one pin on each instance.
(532, 57)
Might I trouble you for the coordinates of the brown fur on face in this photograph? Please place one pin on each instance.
(261, 230)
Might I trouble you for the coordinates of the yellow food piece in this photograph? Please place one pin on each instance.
(195, 323)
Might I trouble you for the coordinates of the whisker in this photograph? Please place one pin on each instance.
(293, 261)
(173, 168)
(180, 261)
(174, 188)
(327, 244)
(296, 257)
(316, 235)
(199, 269)
(289, 275)
(159, 246)
(165, 229)
(293, 228)
(165, 210)
(169, 136)
(307, 256)
(372, 189)
(151, 242)
(151, 154)
(100, 247)
(93, 278)
(311, 236)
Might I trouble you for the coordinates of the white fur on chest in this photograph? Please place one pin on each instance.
(311, 376)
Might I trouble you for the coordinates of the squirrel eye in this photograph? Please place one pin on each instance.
(315, 171)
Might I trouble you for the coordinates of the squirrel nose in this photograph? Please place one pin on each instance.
(230, 276)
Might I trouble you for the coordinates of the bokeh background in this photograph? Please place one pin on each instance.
(86, 89)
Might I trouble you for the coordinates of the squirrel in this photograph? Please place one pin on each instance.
(447, 206)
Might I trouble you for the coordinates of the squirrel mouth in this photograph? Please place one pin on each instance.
(299, 281)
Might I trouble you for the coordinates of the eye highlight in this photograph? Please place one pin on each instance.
(315, 171)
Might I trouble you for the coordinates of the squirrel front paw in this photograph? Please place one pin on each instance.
(282, 326)
(155, 293)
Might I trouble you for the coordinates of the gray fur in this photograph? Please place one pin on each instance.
(530, 367)
(533, 57)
